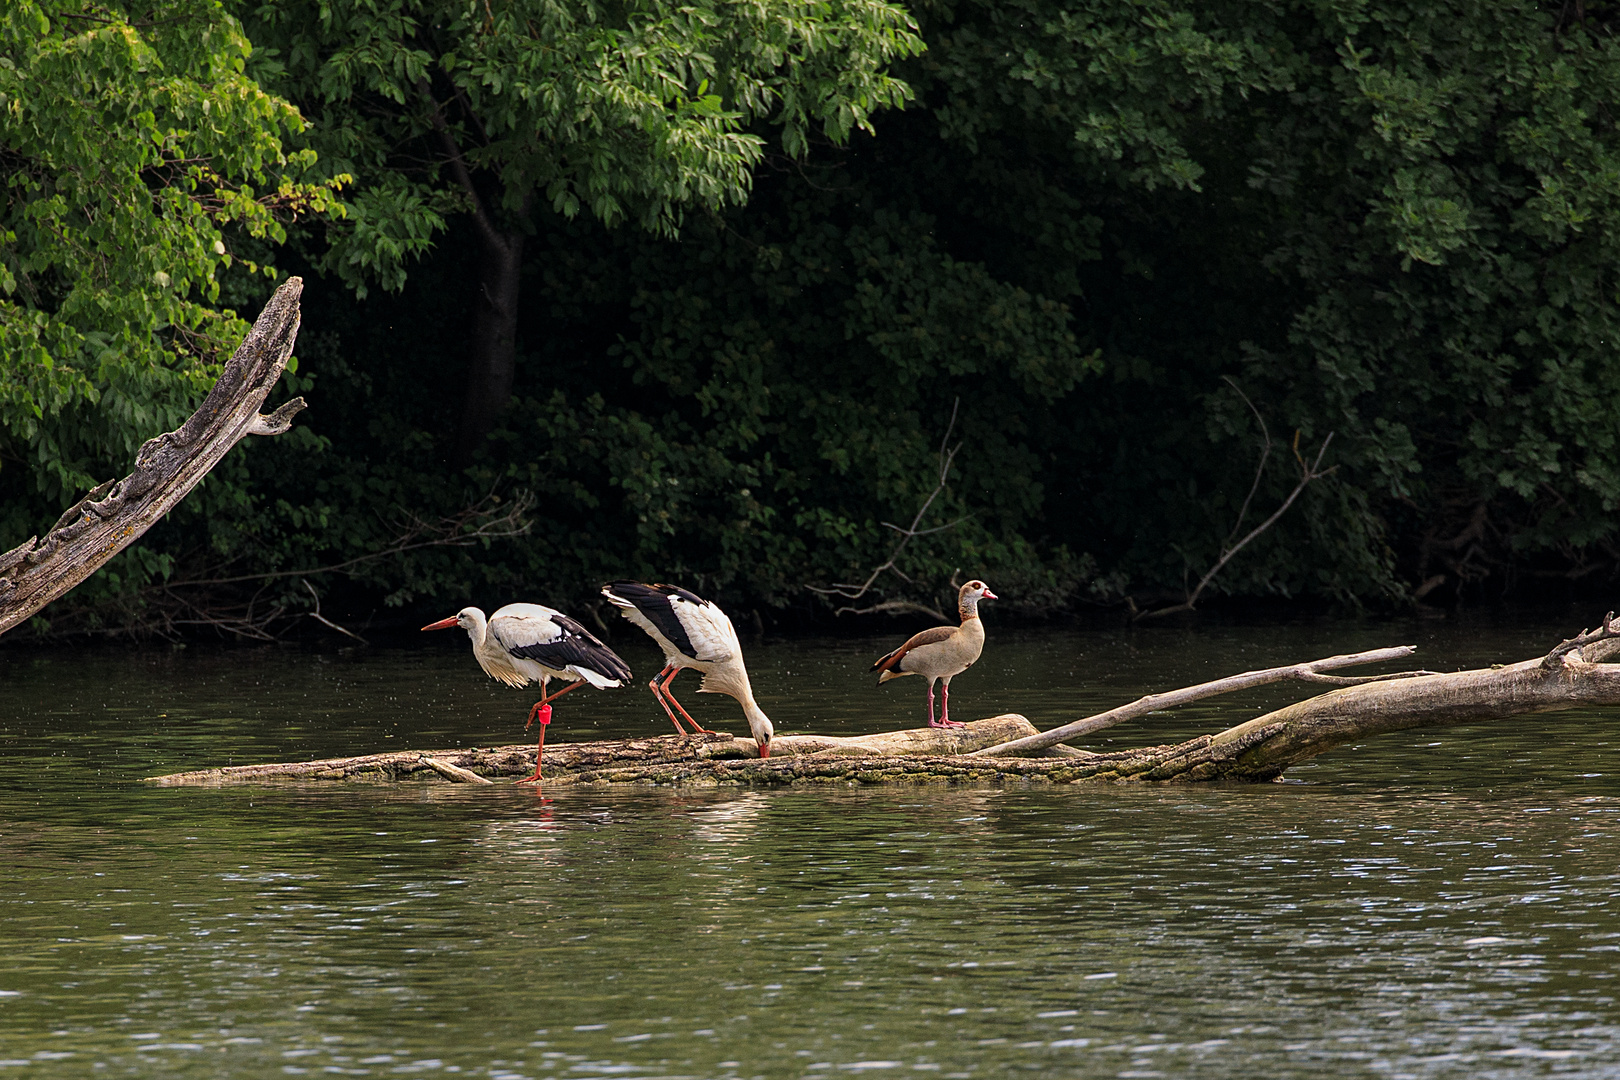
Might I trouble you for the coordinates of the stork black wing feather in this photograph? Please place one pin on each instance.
(578, 646)
(653, 602)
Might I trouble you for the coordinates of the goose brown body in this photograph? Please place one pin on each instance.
(942, 653)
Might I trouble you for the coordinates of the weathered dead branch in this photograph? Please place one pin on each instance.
(247, 605)
(1310, 672)
(116, 513)
(565, 758)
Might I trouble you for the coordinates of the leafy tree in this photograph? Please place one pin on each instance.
(141, 168)
(628, 111)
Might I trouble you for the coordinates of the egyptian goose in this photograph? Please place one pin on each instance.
(943, 652)
(693, 633)
(524, 643)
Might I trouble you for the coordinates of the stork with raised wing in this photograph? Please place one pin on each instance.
(942, 653)
(524, 643)
(694, 633)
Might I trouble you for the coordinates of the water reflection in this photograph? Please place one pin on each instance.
(1435, 905)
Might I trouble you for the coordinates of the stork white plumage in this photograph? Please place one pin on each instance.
(524, 643)
(694, 633)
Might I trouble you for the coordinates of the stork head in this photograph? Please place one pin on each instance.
(469, 619)
(759, 725)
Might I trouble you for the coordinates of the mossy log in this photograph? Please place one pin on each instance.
(1572, 675)
(564, 759)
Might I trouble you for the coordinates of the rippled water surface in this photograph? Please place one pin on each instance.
(1429, 904)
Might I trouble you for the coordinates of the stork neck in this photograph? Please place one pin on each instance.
(759, 725)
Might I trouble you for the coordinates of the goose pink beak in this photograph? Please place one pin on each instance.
(988, 595)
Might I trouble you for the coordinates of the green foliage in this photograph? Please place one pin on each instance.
(1099, 228)
(628, 111)
(139, 163)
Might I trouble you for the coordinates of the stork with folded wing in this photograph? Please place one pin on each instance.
(525, 643)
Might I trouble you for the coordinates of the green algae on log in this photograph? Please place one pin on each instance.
(564, 759)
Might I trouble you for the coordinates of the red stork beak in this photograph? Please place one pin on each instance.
(988, 595)
(442, 624)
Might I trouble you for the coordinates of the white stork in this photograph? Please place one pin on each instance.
(524, 643)
(693, 633)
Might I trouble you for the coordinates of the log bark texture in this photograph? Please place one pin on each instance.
(1311, 727)
(116, 513)
(564, 758)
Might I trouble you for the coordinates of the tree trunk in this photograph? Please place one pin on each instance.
(493, 358)
(115, 514)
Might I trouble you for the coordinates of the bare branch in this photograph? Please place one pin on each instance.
(1309, 472)
(1154, 702)
(1259, 470)
(895, 607)
(415, 534)
(324, 621)
(851, 591)
(1555, 659)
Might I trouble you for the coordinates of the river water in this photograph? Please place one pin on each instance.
(1428, 904)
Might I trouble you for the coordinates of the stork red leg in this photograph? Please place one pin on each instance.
(546, 699)
(541, 712)
(658, 693)
(670, 694)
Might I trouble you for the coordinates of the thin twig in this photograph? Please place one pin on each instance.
(852, 591)
(895, 607)
(447, 532)
(324, 621)
(1259, 470)
(1309, 472)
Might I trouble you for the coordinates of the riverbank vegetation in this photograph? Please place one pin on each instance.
(708, 295)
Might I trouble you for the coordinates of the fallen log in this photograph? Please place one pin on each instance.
(564, 759)
(117, 513)
(1574, 674)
